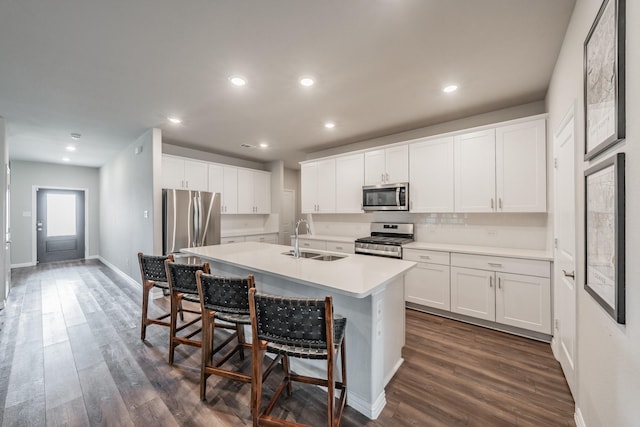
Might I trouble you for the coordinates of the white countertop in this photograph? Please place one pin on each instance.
(341, 239)
(483, 250)
(354, 275)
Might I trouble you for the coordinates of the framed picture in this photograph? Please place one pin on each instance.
(605, 232)
(604, 80)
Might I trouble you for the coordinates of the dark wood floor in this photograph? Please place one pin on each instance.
(70, 354)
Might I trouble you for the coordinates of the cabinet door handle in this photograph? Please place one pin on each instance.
(491, 281)
(381, 177)
(572, 274)
(339, 248)
(387, 177)
(425, 257)
(499, 283)
(500, 202)
(492, 203)
(494, 264)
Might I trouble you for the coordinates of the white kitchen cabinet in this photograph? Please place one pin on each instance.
(386, 165)
(349, 182)
(254, 191)
(224, 180)
(473, 293)
(428, 283)
(318, 185)
(431, 175)
(502, 169)
(521, 167)
(511, 291)
(475, 172)
(180, 173)
(524, 301)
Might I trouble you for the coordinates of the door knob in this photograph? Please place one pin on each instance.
(572, 274)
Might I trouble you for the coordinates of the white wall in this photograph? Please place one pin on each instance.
(608, 354)
(4, 254)
(127, 189)
(26, 175)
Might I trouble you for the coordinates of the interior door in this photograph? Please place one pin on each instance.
(564, 257)
(60, 225)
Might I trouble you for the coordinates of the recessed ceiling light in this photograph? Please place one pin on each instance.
(306, 81)
(65, 159)
(75, 136)
(71, 148)
(238, 80)
(329, 125)
(264, 145)
(449, 88)
(174, 120)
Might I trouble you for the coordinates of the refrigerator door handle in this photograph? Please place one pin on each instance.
(207, 219)
(196, 220)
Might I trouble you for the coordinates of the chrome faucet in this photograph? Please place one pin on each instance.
(296, 247)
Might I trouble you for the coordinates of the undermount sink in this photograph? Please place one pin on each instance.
(316, 255)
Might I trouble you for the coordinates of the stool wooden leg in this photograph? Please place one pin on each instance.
(208, 332)
(240, 332)
(256, 383)
(175, 300)
(145, 306)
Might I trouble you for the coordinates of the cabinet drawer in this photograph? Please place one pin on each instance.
(502, 264)
(347, 248)
(264, 238)
(235, 239)
(419, 255)
(312, 244)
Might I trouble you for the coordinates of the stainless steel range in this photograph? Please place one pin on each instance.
(386, 240)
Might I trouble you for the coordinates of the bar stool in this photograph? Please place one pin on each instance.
(153, 275)
(182, 286)
(225, 299)
(296, 327)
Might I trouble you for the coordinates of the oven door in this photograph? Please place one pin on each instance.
(392, 197)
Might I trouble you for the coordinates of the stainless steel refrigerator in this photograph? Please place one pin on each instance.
(189, 219)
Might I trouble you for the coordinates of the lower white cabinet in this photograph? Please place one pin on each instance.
(343, 247)
(311, 244)
(472, 293)
(428, 283)
(511, 291)
(234, 239)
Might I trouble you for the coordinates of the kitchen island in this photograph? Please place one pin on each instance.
(367, 290)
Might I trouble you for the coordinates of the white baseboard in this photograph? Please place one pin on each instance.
(23, 264)
(577, 417)
(393, 371)
(121, 273)
(93, 257)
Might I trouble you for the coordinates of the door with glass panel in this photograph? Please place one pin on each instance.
(60, 225)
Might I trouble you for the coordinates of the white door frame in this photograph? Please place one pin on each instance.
(569, 367)
(34, 217)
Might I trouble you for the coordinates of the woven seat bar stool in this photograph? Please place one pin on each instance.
(182, 286)
(153, 275)
(225, 299)
(302, 328)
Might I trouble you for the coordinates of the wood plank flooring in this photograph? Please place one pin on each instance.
(71, 354)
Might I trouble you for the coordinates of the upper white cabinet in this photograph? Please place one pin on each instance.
(521, 167)
(318, 183)
(475, 172)
(254, 191)
(184, 174)
(387, 165)
(502, 169)
(224, 180)
(349, 182)
(431, 175)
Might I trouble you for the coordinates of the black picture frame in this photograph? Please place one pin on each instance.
(605, 235)
(604, 79)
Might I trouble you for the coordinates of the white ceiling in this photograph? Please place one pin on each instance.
(112, 69)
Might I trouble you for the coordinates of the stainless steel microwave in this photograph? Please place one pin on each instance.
(386, 197)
